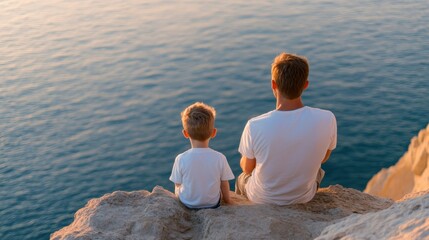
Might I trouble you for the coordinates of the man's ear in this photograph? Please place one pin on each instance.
(306, 84)
(214, 133)
(185, 133)
(273, 85)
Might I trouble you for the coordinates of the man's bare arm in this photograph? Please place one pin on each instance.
(247, 164)
(327, 155)
(224, 187)
(176, 189)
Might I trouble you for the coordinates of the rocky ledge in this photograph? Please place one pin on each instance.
(159, 215)
(334, 213)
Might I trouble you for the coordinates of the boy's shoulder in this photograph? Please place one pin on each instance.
(199, 151)
(211, 151)
(193, 155)
(217, 152)
(181, 155)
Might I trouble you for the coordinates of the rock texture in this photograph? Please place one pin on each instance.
(159, 215)
(407, 219)
(334, 213)
(409, 174)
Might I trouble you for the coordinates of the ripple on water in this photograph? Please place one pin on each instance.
(91, 91)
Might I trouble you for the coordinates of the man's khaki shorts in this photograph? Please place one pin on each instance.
(240, 184)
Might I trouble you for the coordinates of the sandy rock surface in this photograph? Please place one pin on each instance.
(159, 215)
(410, 174)
(407, 219)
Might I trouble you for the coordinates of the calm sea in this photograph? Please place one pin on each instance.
(91, 90)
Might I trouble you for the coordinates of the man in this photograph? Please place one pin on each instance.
(282, 150)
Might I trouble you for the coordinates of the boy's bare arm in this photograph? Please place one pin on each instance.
(224, 188)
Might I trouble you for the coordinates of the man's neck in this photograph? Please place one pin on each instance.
(284, 104)
(199, 144)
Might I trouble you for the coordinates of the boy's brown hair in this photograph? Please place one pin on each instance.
(198, 120)
(290, 72)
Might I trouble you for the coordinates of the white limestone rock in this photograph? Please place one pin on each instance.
(159, 215)
(409, 174)
(406, 219)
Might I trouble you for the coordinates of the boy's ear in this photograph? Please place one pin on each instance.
(185, 133)
(214, 133)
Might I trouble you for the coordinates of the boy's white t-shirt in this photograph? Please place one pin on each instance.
(289, 147)
(200, 172)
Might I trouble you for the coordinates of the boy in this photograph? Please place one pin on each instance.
(200, 174)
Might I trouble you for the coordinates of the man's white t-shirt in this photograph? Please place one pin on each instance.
(200, 172)
(289, 147)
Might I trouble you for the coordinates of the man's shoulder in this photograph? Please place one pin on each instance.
(321, 112)
(261, 117)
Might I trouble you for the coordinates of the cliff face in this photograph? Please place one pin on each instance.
(159, 215)
(334, 213)
(409, 174)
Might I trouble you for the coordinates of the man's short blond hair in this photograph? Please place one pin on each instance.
(290, 72)
(198, 120)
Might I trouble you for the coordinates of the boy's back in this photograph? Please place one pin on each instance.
(200, 172)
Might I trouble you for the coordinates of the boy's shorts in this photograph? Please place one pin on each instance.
(213, 207)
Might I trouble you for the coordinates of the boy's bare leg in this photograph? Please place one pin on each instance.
(319, 178)
(240, 184)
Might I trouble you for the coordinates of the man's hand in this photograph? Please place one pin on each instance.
(247, 164)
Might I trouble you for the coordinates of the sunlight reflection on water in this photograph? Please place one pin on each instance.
(91, 91)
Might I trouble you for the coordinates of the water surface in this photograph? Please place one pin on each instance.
(91, 91)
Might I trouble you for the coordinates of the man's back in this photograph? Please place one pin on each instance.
(289, 147)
